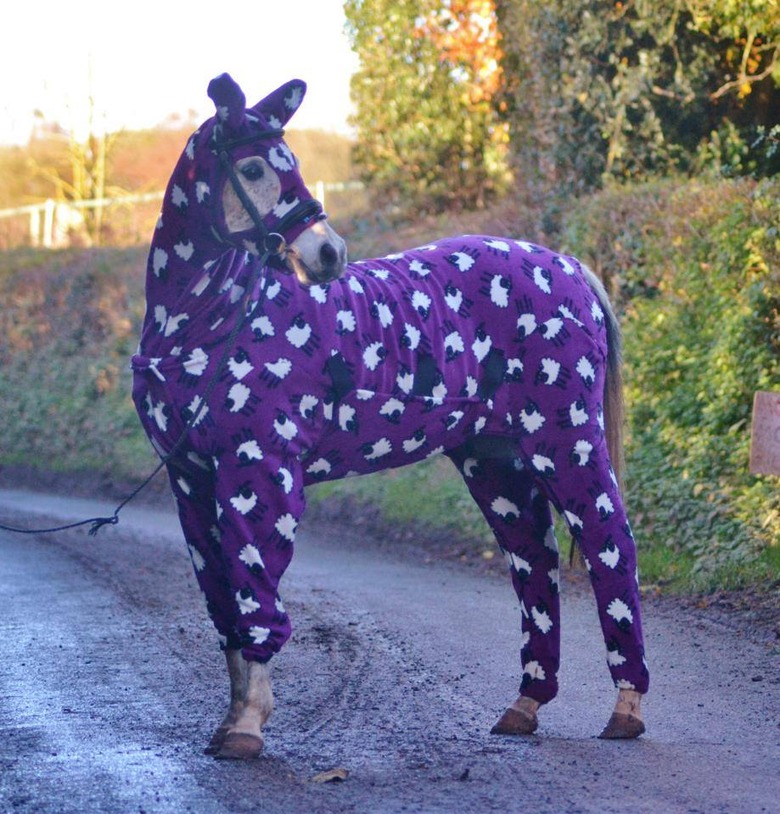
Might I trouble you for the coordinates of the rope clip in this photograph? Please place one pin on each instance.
(275, 244)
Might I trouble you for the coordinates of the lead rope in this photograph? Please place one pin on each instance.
(97, 523)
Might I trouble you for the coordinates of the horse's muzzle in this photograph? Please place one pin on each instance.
(317, 255)
(330, 263)
(333, 261)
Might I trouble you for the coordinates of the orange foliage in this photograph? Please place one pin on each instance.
(466, 34)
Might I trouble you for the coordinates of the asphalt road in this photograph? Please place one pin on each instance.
(111, 683)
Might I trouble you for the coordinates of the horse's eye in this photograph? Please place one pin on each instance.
(253, 172)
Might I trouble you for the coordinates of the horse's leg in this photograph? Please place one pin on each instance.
(237, 673)
(520, 518)
(193, 489)
(240, 735)
(260, 504)
(574, 469)
(626, 721)
(243, 737)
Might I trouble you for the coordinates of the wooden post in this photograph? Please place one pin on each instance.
(48, 224)
(35, 227)
(319, 192)
(765, 435)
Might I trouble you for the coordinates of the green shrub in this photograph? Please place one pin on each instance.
(68, 326)
(695, 270)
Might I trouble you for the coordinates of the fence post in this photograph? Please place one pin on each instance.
(319, 192)
(48, 223)
(35, 227)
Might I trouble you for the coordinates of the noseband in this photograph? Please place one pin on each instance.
(274, 243)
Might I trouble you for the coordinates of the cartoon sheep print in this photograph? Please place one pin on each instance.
(490, 350)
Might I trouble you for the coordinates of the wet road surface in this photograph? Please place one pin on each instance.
(111, 683)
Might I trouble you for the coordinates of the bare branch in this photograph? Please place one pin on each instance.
(742, 80)
(744, 77)
(686, 98)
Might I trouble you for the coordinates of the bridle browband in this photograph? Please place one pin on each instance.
(273, 243)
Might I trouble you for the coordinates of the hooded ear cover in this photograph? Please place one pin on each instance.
(278, 107)
(229, 100)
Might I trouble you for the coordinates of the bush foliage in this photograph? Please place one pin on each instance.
(695, 268)
(429, 136)
(628, 89)
(69, 324)
(569, 95)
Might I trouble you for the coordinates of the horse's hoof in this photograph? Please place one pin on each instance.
(515, 722)
(622, 727)
(217, 739)
(239, 746)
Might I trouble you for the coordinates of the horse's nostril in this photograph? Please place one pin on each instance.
(328, 255)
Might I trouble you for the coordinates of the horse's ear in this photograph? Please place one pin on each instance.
(229, 100)
(278, 107)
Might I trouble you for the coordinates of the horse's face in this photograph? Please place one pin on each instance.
(258, 179)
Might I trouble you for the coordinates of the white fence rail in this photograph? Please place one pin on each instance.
(52, 222)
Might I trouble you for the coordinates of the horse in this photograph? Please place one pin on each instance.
(268, 362)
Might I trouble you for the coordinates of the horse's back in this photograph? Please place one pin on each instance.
(469, 335)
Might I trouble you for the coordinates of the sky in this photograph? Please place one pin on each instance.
(145, 60)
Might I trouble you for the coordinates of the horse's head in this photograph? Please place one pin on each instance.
(260, 200)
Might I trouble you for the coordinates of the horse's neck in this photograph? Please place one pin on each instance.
(184, 243)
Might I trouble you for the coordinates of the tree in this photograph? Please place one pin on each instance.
(625, 89)
(751, 33)
(84, 178)
(429, 135)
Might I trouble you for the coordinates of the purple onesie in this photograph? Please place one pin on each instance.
(490, 350)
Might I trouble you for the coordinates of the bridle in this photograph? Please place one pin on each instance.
(273, 243)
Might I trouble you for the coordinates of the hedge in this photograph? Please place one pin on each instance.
(694, 267)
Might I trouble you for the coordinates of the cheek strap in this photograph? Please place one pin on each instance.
(274, 243)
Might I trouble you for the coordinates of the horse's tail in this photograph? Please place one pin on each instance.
(613, 386)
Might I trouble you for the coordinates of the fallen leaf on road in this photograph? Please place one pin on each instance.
(331, 776)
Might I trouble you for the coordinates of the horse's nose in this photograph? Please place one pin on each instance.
(333, 259)
(329, 256)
